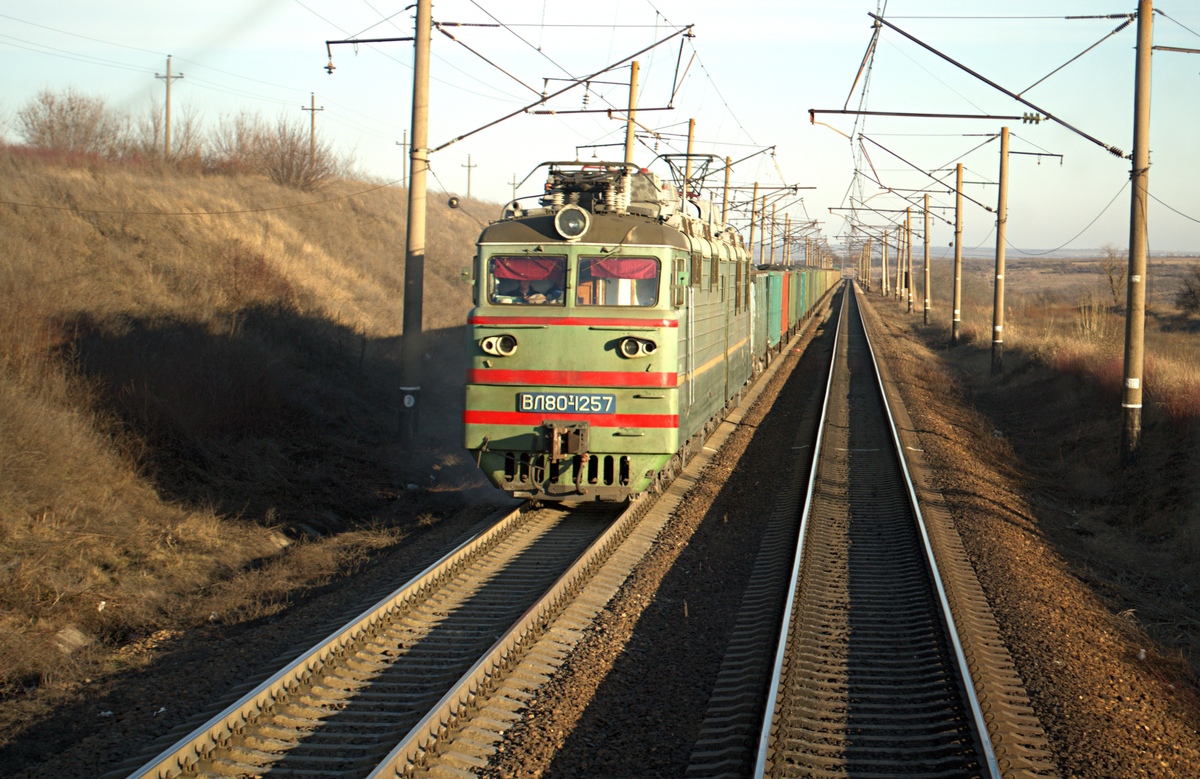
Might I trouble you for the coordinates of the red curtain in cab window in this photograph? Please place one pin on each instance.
(622, 268)
(529, 268)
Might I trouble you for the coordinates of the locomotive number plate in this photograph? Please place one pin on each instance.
(567, 402)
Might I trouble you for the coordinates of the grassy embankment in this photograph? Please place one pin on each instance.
(198, 413)
(1133, 533)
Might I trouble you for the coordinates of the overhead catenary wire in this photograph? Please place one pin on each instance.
(1174, 210)
(1107, 147)
(440, 28)
(1119, 28)
(1165, 15)
(921, 170)
(559, 92)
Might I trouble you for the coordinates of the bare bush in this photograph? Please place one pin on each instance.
(70, 121)
(145, 137)
(286, 152)
(1094, 322)
(1187, 298)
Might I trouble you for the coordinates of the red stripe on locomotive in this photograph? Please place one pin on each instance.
(504, 321)
(572, 378)
(535, 419)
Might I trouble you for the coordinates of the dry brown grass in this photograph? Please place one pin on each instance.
(1135, 532)
(196, 411)
(1060, 311)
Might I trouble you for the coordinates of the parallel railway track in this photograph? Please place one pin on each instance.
(340, 708)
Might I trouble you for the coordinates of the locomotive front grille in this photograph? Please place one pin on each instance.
(539, 472)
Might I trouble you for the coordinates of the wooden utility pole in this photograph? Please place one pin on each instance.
(773, 233)
(312, 130)
(883, 288)
(687, 175)
(630, 124)
(404, 158)
(956, 321)
(725, 192)
(412, 348)
(908, 274)
(753, 215)
(1135, 315)
(514, 183)
(762, 240)
(469, 166)
(898, 290)
(1001, 234)
(787, 239)
(926, 258)
(167, 126)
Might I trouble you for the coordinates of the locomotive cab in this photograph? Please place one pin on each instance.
(571, 392)
(611, 333)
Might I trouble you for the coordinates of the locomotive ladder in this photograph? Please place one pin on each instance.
(888, 662)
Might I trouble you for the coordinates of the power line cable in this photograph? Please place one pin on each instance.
(85, 37)
(1107, 147)
(383, 19)
(1181, 24)
(933, 76)
(1120, 27)
(1169, 208)
(54, 51)
(1081, 232)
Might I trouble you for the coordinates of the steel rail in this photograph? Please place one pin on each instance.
(508, 647)
(219, 729)
(781, 649)
(989, 760)
(989, 752)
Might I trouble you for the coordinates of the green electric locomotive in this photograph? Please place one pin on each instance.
(610, 333)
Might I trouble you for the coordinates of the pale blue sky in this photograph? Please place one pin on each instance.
(760, 66)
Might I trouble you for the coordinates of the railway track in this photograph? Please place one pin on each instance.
(339, 709)
(888, 662)
(872, 675)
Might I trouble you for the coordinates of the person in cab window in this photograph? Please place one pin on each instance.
(527, 294)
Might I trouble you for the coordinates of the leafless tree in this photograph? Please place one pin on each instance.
(1115, 264)
(187, 134)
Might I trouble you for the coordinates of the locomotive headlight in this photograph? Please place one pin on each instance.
(572, 222)
(499, 345)
(636, 347)
(506, 345)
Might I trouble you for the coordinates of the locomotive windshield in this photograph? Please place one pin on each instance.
(528, 280)
(617, 281)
